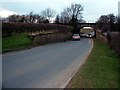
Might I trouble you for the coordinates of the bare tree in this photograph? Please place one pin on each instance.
(57, 19)
(31, 17)
(66, 15)
(76, 11)
(35, 18)
(38, 18)
(72, 14)
(14, 18)
(103, 23)
(48, 13)
(107, 22)
(112, 21)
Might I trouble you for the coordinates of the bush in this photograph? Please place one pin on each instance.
(114, 41)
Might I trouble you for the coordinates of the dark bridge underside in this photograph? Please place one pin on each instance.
(86, 24)
(81, 25)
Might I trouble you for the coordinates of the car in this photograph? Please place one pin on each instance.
(90, 35)
(76, 37)
(87, 32)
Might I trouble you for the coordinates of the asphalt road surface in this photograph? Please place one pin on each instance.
(48, 66)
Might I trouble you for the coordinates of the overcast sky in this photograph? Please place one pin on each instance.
(93, 9)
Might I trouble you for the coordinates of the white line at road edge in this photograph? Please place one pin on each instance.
(83, 61)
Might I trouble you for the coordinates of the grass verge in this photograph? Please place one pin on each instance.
(99, 71)
(15, 42)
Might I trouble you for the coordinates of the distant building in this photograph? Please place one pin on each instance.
(119, 8)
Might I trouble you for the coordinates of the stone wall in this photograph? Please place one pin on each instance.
(51, 38)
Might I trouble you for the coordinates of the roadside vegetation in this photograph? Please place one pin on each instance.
(16, 41)
(16, 36)
(99, 71)
(110, 24)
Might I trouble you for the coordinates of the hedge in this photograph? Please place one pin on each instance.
(9, 28)
(114, 41)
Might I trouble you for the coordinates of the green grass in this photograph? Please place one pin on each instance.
(99, 71)
(15, 42)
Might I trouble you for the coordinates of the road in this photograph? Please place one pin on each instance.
(48, 66)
